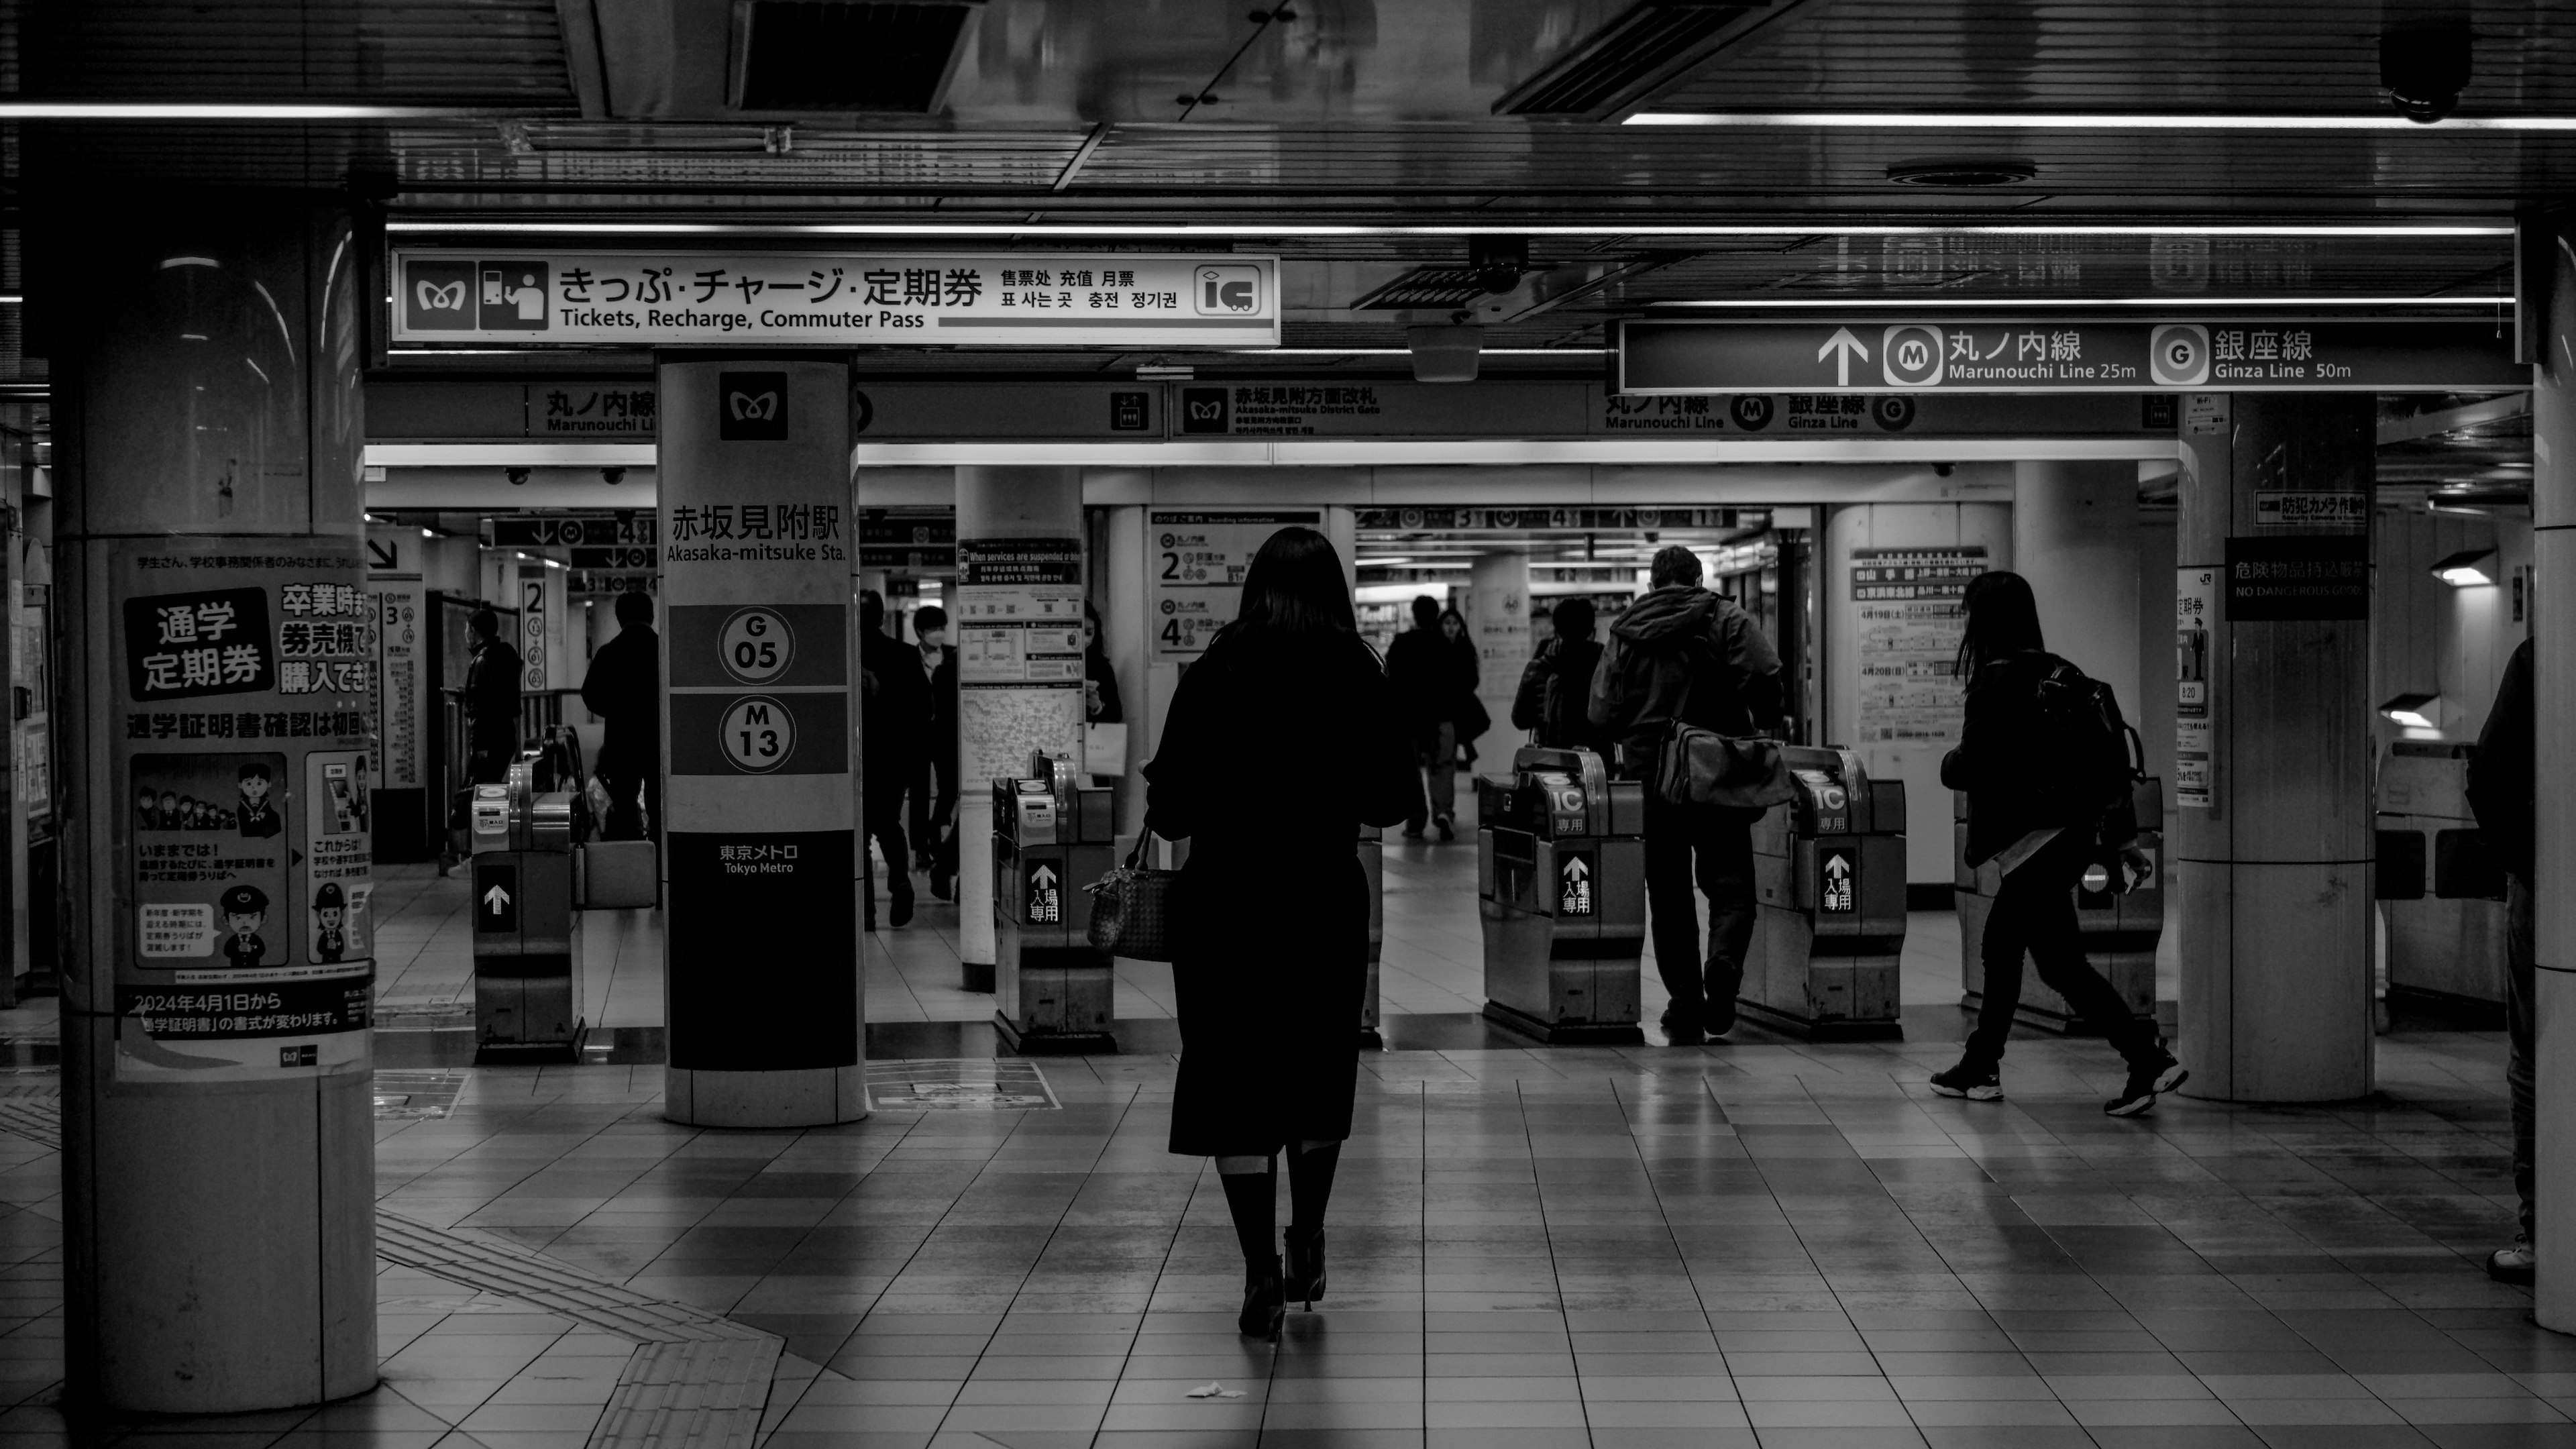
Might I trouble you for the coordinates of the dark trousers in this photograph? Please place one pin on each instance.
(2034, 912)
(2521, 1026)
(1714, 848)
(932, 801)
(626, 785)
(885, 827)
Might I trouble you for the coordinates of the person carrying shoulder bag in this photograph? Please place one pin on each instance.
(1682, 654)
(2044, 763)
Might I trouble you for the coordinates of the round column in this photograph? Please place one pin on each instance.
(218, 1141)
(2553, 634)
(1019, 561)
(2271, 797)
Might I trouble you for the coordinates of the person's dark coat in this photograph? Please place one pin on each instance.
(940, 744)
(624, 688)
(1993, 761)
(1095, 669)
(1422, 679)
(1271, 943)
(1555, 698)
(894, 711)
(2503, 785)
(1682, 643)
(492, 696)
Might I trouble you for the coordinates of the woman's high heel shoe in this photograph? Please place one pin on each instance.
(1304, 1276)
(1264, 1305)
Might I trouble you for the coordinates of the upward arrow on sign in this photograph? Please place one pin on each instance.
(1842, 346)
(497, 899)
(1836, 867)
(1044, 876)
(1575, 868)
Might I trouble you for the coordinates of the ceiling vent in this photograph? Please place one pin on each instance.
(1427, 289)
(1639, 49)
(1963, 171)
(847, 55)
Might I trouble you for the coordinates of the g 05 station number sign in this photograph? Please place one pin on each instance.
(757, 732)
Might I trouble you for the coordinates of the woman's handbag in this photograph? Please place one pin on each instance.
(1132, 908)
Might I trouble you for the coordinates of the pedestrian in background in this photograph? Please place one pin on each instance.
(2016, 759)
(1422, 680)
(624, 688)
(1684, 653)
(934, 787)
(1100, 704)
(1466, 711)
(894, 719)
(492, 731)
(1270, 1017)
(1555, 698)
(2504, 791)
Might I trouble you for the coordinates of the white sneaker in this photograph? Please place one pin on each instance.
(2516, 1264)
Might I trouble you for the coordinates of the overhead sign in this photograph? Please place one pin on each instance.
(834, 299)
(1198, 562)
(2043, 355)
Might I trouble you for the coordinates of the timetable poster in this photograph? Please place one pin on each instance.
(1911, 617)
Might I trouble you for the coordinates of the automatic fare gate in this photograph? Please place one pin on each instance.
(1053, 990)
(1561, 889)
(1829, 882)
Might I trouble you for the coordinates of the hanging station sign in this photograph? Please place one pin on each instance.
(833, 299)
(2062, 355)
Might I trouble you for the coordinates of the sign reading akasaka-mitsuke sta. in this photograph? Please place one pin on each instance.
(834, 299)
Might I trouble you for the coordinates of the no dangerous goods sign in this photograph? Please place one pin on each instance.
(2063, 355)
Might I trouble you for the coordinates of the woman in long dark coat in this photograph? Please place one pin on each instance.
(1282, 742)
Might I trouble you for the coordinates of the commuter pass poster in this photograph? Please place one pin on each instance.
(241, 754)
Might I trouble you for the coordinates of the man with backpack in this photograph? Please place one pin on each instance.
(2045, 763)
(1682, 653)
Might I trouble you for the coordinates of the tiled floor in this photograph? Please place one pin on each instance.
(1776, 1245)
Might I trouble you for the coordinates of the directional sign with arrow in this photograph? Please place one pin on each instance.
(1574, 883)
(1045, 895)
(496, 896)
(1842, 346)
(1837, 897)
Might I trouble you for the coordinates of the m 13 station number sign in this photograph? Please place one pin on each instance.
(833, 299)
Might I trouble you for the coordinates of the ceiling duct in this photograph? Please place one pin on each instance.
(1638, 50)
(848, 55)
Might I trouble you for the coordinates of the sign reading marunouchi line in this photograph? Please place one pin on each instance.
(834, 299)
(242, 759)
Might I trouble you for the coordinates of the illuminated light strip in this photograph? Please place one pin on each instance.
(1408, 352)
(2088, 121)
(1353, 229)
(223, 111)
(2170, 304)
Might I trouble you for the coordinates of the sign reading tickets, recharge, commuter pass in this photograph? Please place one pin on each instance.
(242, 757)
(834, 299)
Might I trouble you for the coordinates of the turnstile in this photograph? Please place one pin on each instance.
(2440, 893)
(1373, 863)
(1053, 991)
(2118, 930)
(1561, 890)
(527, 916)
(1829, 883)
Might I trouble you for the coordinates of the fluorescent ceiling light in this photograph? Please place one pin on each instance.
(417, 226)
(1408, 352)
(2415, 711)
(220, 111)
(2086, 121)
(2467, 569)
(2170, 304)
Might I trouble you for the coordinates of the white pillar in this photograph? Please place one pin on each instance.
(1127, 634)
(1019, 545)
(2075, 537)
(1498, 624)
(2553, 517)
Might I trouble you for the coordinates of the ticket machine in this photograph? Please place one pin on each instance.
(1561, 890)
(1053, 992)
(527, 917)
(1829, 882)
(2119, 929)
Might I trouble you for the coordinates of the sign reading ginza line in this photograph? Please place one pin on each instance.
(2045, 355)
(834, 299)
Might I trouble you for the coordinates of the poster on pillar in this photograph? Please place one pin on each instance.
(1019, 653)
(402, 681)
(246, 695)
(2195, 607)
(1909, 603)
(1196, 564)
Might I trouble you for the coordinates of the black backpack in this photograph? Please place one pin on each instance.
(2090, 758)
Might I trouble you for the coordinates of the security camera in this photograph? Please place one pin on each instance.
(518, 476)
(2424, 69)
(1498, 261)
(1944, 470)
(612, 476)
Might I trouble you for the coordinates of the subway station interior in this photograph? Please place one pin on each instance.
(671, 788)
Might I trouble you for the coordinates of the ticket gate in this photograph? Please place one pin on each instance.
(1829, 886)
(1561, 890)
(1053, 992)
(2441, 896)
(1373, 863)
(2118, 930)
(527, 920)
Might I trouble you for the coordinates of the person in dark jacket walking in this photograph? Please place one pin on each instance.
(1554, 701)
(894, 717)
(2504, 792)
(491, 701)
(2042, 841)
(1425, 685)
(1683, 652)
(934, 785)
(1100, 703)
(1270, 1016)
(624, 688)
